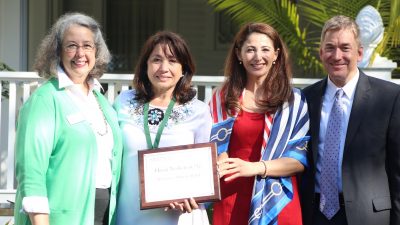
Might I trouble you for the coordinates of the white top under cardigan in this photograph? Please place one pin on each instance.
(188, 123)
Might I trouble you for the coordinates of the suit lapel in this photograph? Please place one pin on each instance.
(359, 108)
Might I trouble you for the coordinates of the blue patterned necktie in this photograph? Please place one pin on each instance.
(329, 202)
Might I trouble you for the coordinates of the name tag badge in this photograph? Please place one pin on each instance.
(75, 118)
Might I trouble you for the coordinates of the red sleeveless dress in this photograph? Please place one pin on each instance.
(245, 143)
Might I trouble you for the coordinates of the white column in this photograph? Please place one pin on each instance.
(381, 68)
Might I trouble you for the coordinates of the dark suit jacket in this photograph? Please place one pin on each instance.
(371, 157)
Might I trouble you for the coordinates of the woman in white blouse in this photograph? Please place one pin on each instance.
(162, 92)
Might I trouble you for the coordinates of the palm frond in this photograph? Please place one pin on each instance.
(390, 12)
(317, 12)
(282, 15)
(393, 25)
(313, 12)
(300, 24)
(4, 84)
(268, 11)
(395, 34)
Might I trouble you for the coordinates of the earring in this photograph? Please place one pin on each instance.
(273, 62)
(240, 62)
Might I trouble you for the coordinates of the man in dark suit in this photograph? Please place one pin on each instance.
(354, 126)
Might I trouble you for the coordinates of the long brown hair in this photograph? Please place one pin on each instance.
(276, 88)
(183, 91)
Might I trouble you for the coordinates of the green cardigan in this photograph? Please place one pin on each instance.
(56, 157)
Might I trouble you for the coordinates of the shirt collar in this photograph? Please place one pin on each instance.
(348, 89)
(65, 82)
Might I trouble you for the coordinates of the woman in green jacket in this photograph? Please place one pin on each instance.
(68, 145)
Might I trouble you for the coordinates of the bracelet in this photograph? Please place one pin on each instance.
(265, 169)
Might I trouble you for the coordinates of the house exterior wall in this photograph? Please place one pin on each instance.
(24, 23)
(10, 34)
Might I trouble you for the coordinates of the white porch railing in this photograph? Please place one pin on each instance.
(22, 84)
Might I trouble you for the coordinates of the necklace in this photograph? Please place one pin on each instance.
(104, 119)
(155, 116)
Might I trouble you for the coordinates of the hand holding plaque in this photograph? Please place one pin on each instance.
(173, 174)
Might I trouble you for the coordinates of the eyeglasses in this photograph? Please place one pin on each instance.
(72, 48)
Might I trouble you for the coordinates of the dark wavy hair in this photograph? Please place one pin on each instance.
(276, 88)
(183, 91)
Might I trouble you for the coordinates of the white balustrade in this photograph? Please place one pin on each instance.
(22, 84)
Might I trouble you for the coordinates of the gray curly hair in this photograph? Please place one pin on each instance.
(49, 52)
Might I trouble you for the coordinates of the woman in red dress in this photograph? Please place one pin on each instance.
(265, 122)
